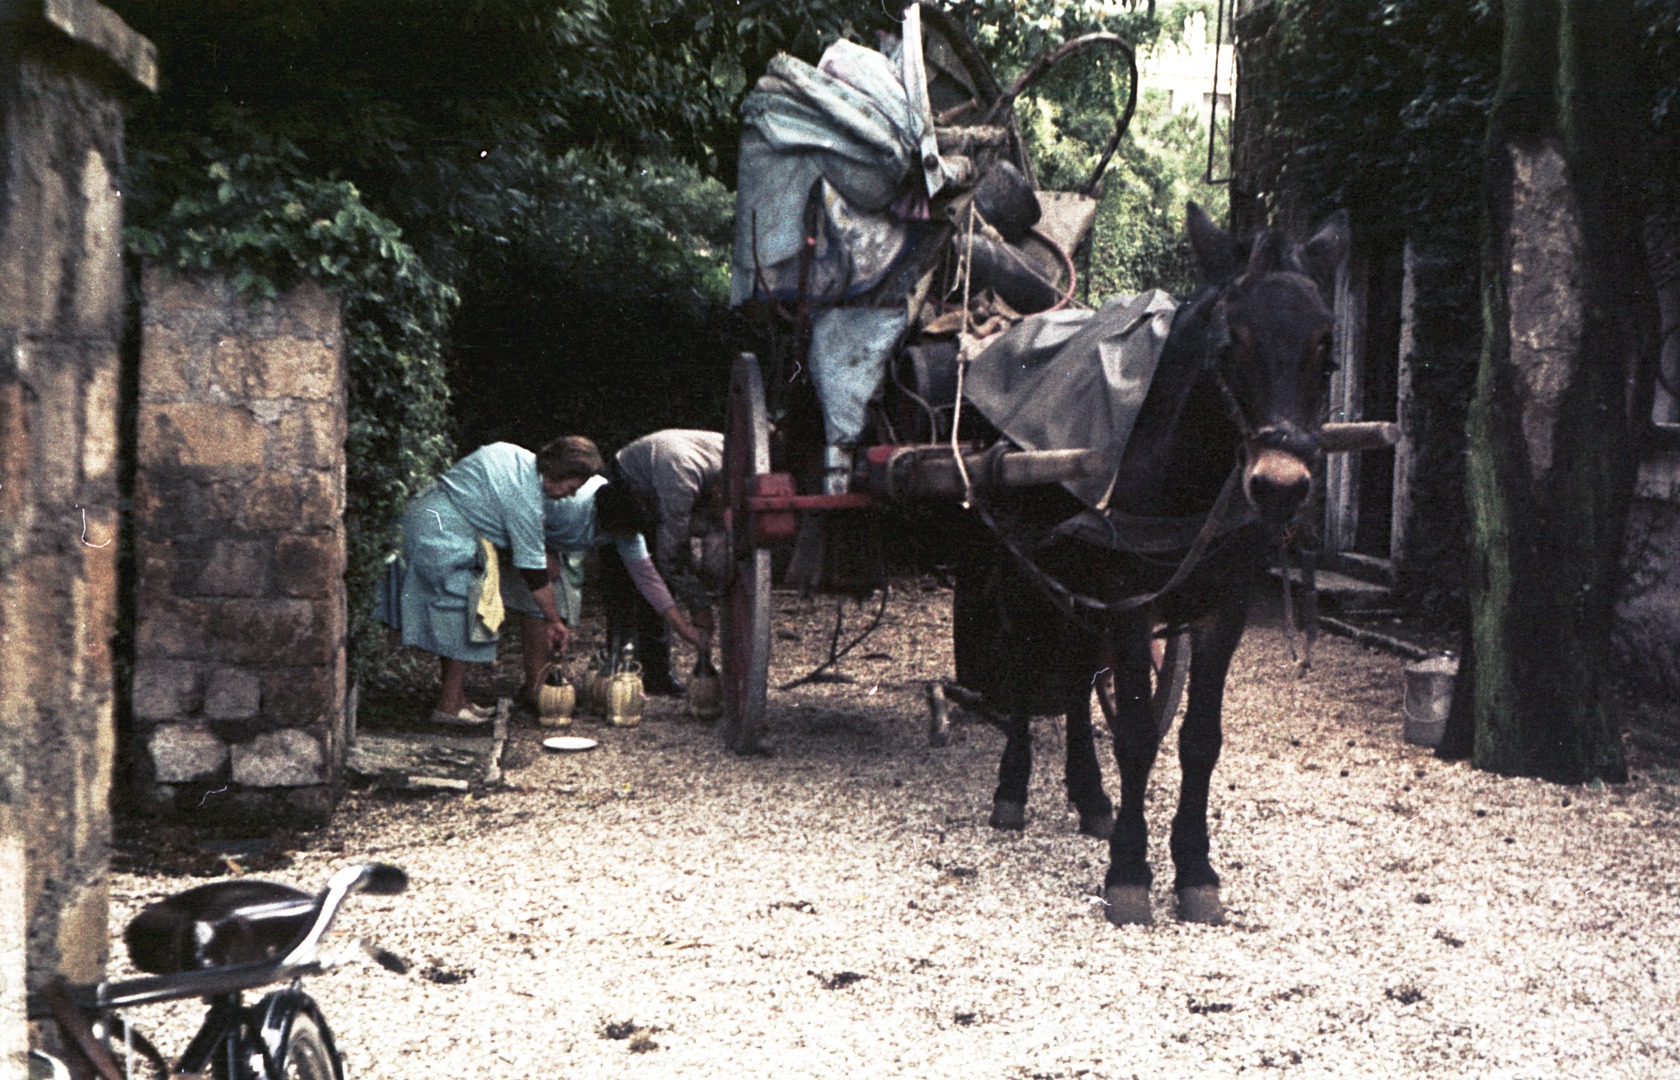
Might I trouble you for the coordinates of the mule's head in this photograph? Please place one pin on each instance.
(1272, 358)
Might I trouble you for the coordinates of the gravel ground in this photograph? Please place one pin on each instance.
(659, 908)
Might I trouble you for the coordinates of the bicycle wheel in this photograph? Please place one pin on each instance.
(308, 1055)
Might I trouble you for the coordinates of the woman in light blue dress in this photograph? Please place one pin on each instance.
(488, 506)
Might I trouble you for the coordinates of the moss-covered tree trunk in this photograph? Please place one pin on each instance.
(1566, 308)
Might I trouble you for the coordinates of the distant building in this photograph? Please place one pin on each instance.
(1185, 71)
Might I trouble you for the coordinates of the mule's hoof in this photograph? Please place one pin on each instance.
(1128, 905)
(1009, 815)
(1200, 904)
(1099, 825)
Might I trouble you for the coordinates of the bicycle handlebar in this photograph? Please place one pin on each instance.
(379, 879)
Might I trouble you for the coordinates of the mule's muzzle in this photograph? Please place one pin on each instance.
(1279, 478)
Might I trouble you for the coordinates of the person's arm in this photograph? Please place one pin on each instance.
(542, 591)
(653, 590)
(674, 556)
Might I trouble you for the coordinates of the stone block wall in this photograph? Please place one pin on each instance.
(239, 676)
(66, 68)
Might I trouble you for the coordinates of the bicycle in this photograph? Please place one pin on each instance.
(215, 942)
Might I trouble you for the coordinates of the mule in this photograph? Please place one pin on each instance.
(1220, 460)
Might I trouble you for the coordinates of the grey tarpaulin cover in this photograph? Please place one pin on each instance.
(1069, 380)
(856, 133)
(849, 123)
(850, 348)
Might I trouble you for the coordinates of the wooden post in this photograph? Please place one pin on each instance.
(1347, 394)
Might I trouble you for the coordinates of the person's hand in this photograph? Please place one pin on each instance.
(559, 636)
(685, 629)
(705, 622)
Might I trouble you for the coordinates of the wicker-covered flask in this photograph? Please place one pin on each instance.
(624, 689)
(705, 690)
(556, 697)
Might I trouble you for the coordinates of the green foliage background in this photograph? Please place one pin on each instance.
(1138, 240)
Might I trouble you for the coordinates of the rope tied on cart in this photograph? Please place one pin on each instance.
(965, 271)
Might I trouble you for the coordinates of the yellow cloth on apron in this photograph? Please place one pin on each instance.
(487, 610)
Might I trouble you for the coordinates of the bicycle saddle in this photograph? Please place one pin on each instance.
(225, 922)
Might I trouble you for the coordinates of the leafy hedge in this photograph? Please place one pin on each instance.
(1383, 108)
(252, 218)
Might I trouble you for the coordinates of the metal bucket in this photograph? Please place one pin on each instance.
(1429, 691)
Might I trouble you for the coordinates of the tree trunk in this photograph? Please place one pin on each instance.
(1567, 309)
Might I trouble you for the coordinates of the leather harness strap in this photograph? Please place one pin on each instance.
(1072, 604)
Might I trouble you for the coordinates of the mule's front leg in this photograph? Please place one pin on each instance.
(1199, 742)
(1136, 740)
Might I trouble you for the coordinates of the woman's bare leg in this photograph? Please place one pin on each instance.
(533, 646)
(452, 686)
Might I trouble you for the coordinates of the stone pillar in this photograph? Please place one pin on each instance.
(65, 66)
(239, 676)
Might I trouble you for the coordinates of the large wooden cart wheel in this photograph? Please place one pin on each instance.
(1171, 672)
(1170, 677)
(745, 611)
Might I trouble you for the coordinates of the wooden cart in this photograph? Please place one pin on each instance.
(781, 484)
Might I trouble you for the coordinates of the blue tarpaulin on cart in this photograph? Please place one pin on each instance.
(845, 132)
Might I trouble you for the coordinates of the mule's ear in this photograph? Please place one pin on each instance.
(1216, 252)
(1323, 254)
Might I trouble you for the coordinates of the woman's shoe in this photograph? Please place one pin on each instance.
(467, 717)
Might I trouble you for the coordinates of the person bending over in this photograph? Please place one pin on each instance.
(603, 514)
(446, 591)
(673, 476)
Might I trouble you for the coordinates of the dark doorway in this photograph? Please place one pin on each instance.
(1380, 397)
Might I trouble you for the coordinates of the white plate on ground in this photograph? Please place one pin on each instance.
(569, 743)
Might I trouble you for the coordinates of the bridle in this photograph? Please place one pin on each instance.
(1303, 446)
(1291, 440)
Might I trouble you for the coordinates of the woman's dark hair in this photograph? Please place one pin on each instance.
(617, 513)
